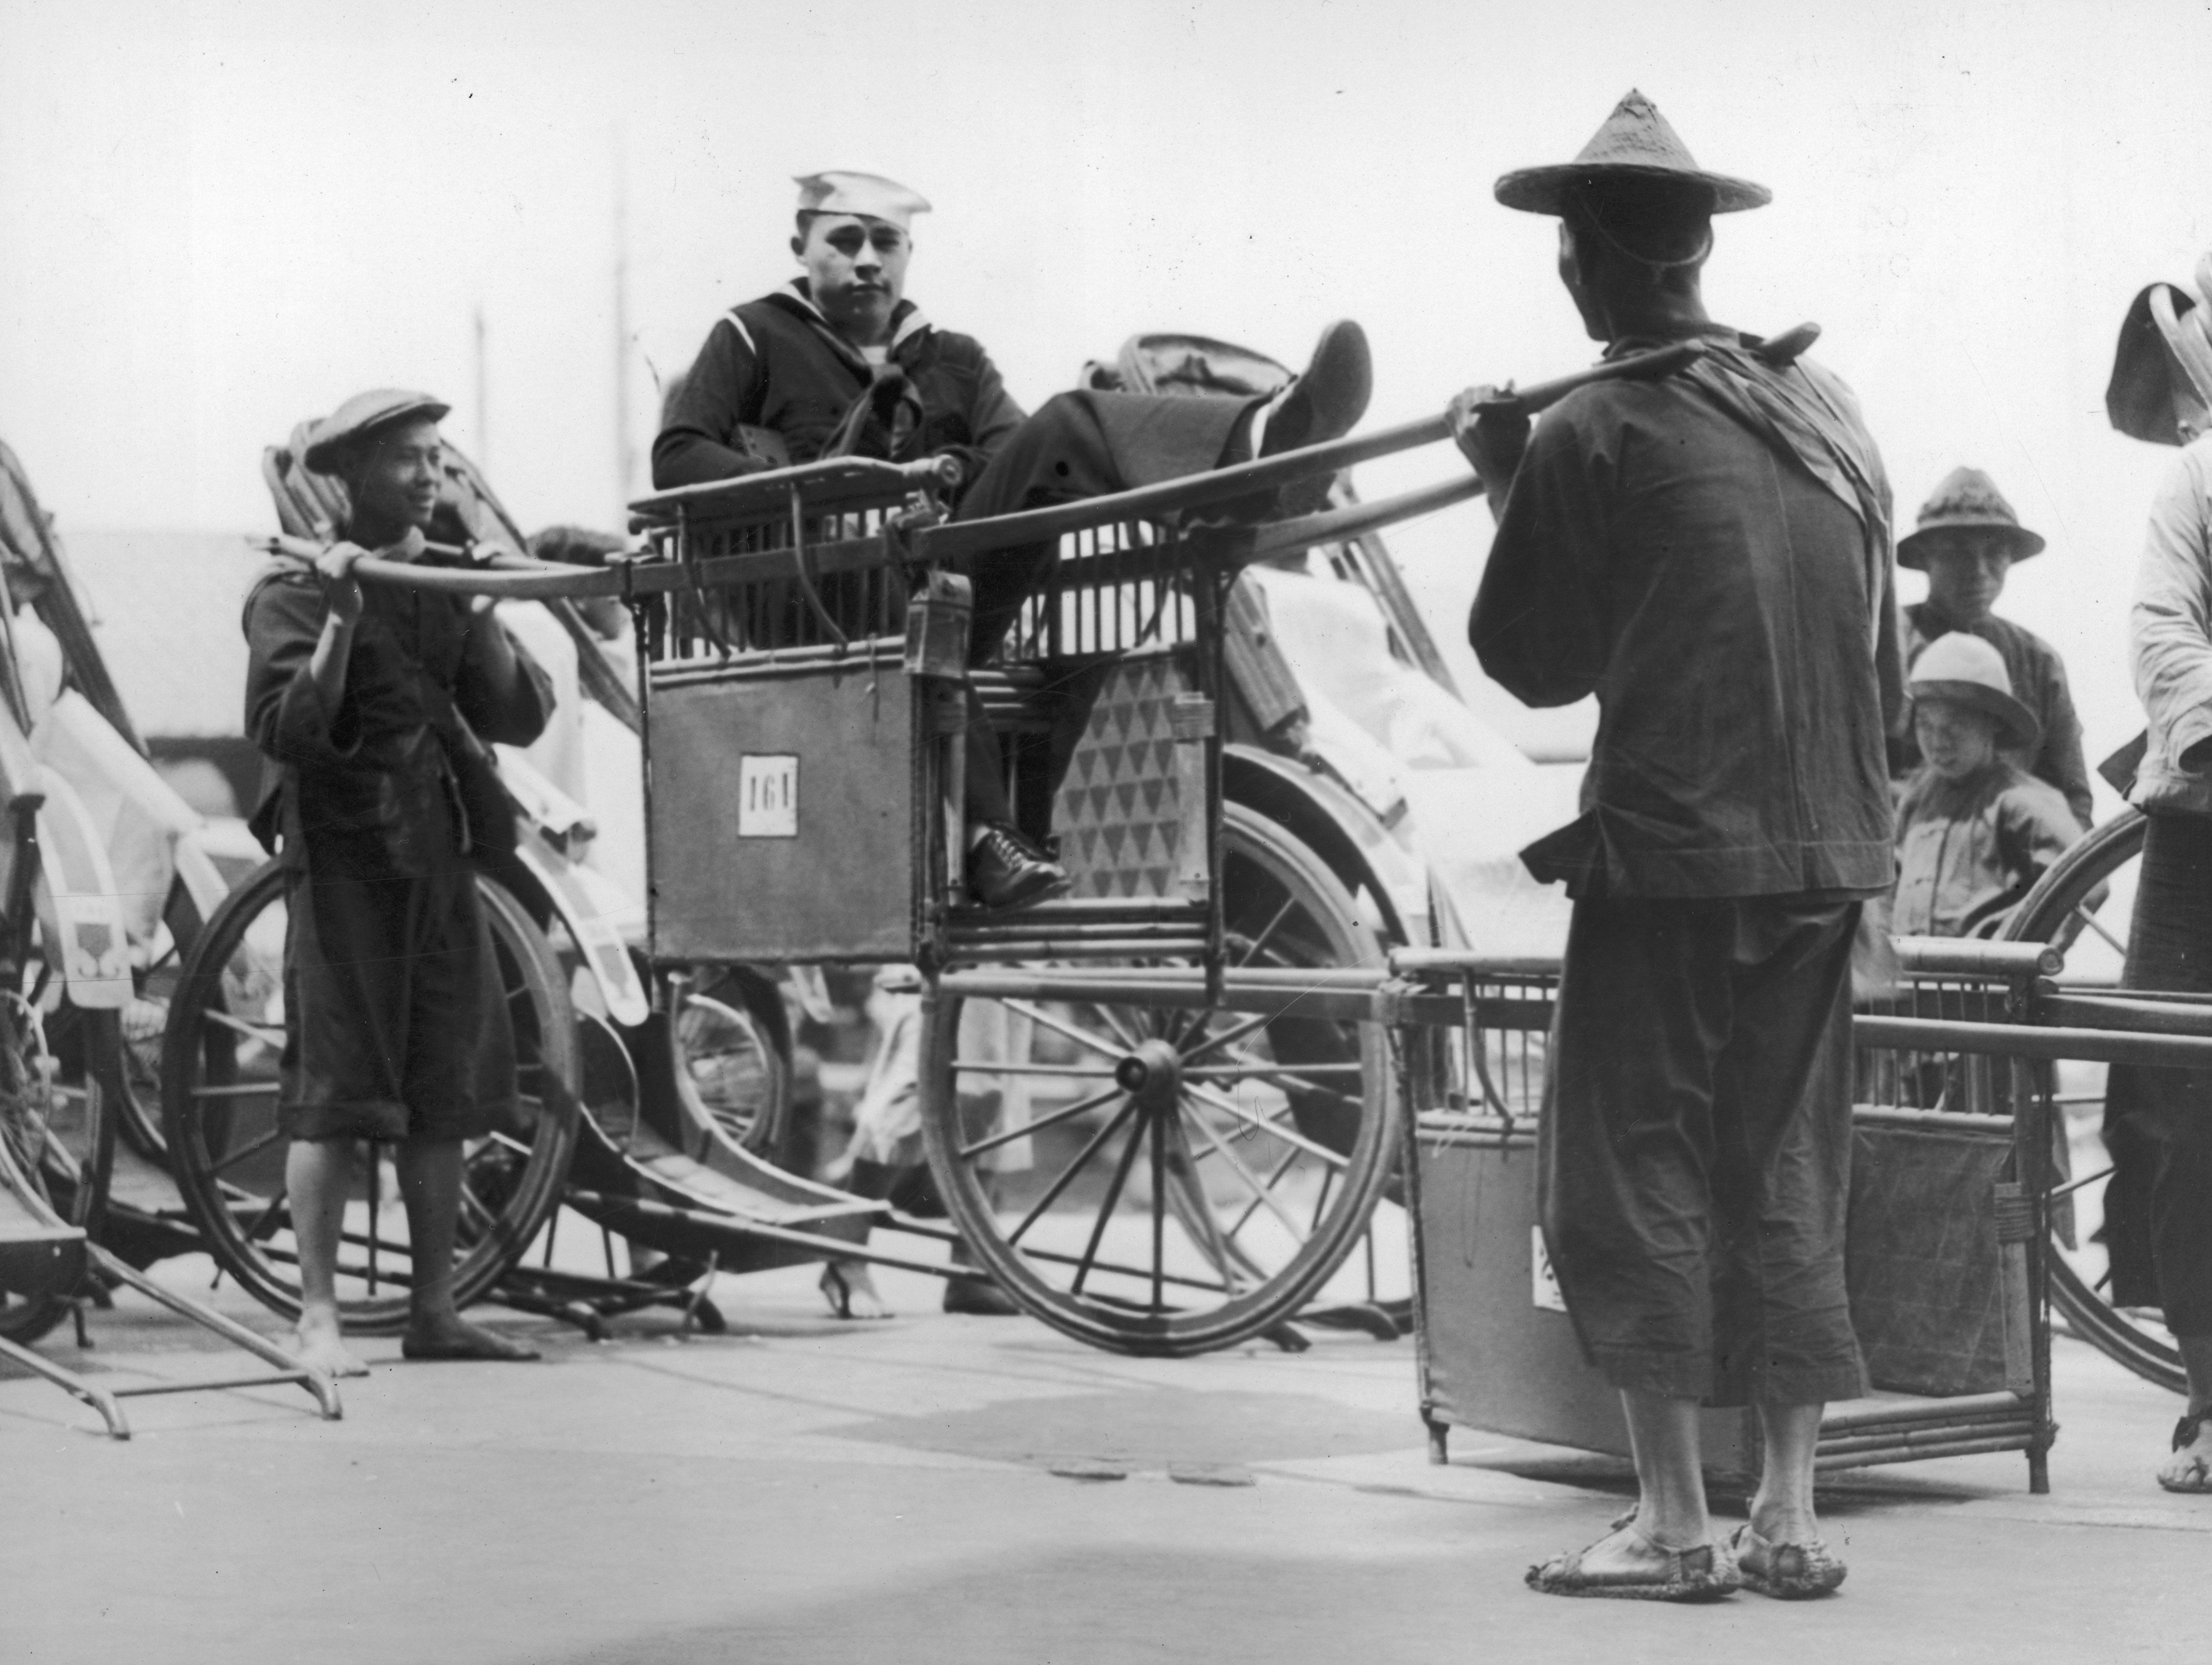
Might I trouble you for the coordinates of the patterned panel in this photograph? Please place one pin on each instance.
(1118, 814)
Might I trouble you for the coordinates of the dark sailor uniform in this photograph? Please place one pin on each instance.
(775, 365)
(1710, 555)
(395, 1022)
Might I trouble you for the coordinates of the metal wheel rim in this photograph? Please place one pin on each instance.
(2105, 852)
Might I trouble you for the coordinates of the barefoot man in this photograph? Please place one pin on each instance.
(394, 1026)
(1710, 556)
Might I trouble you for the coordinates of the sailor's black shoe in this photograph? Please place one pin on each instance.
(1005, 869)
(1323, 404)
(1328, 400)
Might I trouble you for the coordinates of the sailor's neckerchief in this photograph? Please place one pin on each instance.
(1792, 411)
(908, 325)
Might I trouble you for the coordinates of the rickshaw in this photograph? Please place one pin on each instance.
(1143, 1113)
(66, 974)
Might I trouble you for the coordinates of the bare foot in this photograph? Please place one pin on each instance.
(2190, 1468)
(850, 1291)
(318, 1344)
(449, 1335)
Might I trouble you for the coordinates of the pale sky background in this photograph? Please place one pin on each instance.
(218, 219)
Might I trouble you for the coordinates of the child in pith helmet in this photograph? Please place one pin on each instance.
(1975, 831)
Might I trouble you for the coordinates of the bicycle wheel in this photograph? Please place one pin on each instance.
(2084, 904)
(1194, 1176)
(219, 1077)
(59, 1135)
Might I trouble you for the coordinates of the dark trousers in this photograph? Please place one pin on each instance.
(2158, 1122)
(1695, 1147)
(1077, 446)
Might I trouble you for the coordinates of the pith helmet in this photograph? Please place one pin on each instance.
(1636, 145)
(365, 414)
(1966, 501)
(1964, 668)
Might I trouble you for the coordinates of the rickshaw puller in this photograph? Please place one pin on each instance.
(841, 363)
(2158, 1122)
(1710, 555)
(395, 1028)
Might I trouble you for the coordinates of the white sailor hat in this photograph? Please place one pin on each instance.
(867, 194)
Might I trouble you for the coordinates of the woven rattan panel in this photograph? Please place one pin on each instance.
(1118, 814)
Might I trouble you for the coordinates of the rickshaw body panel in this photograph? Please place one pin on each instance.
(787, 818)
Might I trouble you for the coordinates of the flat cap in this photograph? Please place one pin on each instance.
(868, 194)
(365, 414)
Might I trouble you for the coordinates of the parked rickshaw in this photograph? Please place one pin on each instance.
(66, 974)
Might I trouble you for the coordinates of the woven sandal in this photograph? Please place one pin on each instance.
(1702, 1574)
(2194, 1476)
(1788, 1572)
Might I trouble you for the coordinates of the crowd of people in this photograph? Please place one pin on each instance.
(1781, 750)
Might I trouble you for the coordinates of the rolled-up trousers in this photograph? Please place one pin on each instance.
(2158, 1122)
(1695, 1147)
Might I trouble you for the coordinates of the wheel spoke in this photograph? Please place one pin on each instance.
(1211, 1242)
(2091, 920)
(246, 1150)
(1106, 1208)
(1066, 1175)
(961, 1066)
(1266, 1072)
(1321, 1197)
(269, 1035)
(1262, 1193)
(1081, 1038)
(1223, 1102)
(1227, 1038)
(2074, 1185)
(1273, 924)
(1253, 1207)
(1159, 1207)
(1066, 1113)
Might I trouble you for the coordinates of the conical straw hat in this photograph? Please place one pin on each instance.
(1635, 144)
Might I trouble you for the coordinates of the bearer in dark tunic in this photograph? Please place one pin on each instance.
(364, 699)
(1710, 555)
(839, 362)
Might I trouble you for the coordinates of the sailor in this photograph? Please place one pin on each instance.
(1709, 554)
(841, 363)
(372, 706)
(1967, 541)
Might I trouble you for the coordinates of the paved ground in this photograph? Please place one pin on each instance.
(803, 1491)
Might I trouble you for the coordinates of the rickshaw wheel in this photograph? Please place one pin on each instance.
(60, 1136)
(219, 1064)
(1209, 1169)
(731, 1060)
(2091, 930)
